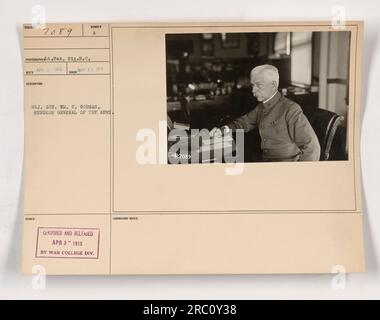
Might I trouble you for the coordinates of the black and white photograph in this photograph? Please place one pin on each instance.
(257, 97)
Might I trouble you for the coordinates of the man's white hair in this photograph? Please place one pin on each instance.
(270, 71)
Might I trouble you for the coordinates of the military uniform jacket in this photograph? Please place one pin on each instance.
(285, 132)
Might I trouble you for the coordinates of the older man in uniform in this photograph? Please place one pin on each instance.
(286, 134)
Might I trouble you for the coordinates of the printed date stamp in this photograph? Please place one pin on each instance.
(69, 243)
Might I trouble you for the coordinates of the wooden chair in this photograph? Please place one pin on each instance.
(325, 124)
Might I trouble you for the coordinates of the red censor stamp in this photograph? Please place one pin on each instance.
(74, 243)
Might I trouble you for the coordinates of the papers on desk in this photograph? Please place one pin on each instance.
(210, 149)
(181, 126)
(217, 140)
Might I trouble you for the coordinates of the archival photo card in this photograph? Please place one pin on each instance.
(192, 148)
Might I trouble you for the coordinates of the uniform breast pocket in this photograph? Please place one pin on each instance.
(279, 126)
(279, 130)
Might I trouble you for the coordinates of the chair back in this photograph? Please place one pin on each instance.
(325, 123)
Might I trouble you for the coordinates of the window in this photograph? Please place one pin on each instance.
(301, 58)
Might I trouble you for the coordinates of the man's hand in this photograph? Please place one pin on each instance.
(218, 132)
